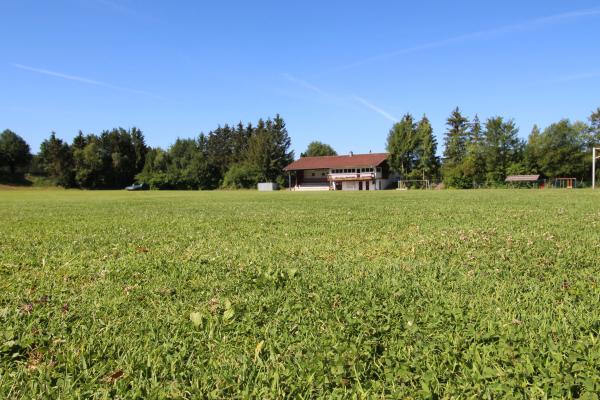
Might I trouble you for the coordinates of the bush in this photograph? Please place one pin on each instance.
(455, 178)
(242, 176)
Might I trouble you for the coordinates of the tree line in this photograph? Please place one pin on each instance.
(228, 157)
(483, 154)
(475, 154)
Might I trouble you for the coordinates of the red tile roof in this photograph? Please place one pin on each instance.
(356, 160)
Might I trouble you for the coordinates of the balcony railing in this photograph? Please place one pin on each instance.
(351, 175)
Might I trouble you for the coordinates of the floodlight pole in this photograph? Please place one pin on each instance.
(594, 158)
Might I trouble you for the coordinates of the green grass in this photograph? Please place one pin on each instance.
(268, 295)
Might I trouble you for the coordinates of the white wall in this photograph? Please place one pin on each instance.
(385, 183)
(350, 185)
(320, 174)
(353, 185)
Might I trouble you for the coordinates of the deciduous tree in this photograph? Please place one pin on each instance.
(14, 151)
(317, 149)
(56, 160)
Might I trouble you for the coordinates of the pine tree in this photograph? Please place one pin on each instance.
(428, 162)
(455, 150)
(402, 144)
(241, 135)
(282, 155)
(140, 148)
(79, 141)
(473, 166)
(456, 138)
(269, 149)
(502, 148)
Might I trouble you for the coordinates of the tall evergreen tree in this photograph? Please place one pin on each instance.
(269, 149)
(282, 155)
(502, 148)
(402, 144)
(79, 141)
(140, 148)
(220, 149)
(240, 139)
(456, 138)
(473, 166)
(427, 160)
(455, 150)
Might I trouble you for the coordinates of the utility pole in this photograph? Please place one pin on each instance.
(594, 158)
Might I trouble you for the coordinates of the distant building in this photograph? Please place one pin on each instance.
(525, 180)
(349, 172)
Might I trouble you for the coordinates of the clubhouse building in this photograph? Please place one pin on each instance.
(350, 172)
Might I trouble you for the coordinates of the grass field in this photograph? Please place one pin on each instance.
(268, 295)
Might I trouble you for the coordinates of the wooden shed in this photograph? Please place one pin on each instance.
(525, 180)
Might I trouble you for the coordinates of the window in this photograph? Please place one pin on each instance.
(322, 173)
(313, 174)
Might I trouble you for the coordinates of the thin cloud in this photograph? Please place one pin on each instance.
(83, 80)
(373, 107)
(306, 85)
(321, 92)
(530, 24)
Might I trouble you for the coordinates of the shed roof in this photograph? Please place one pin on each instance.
(355, 160)
(522, 178)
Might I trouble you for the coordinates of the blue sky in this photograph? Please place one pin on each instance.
(337, 71)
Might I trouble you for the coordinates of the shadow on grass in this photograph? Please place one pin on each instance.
(15, 180)
(22, 180)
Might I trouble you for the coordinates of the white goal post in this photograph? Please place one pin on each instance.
(402, 183)
(594, 158)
